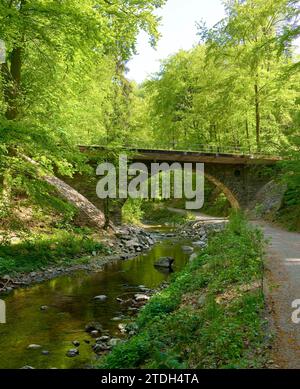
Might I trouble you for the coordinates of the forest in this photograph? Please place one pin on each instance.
(63, 83)
(64, 86)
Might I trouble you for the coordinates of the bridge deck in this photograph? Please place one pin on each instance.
(142, 154)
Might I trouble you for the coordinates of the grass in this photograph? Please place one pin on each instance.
(42, 250)
(289, 217)
(211, 314)
(159, 214)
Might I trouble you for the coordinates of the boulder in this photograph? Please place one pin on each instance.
(93, 326)
(201, 244)
(122, 328)
(104, 338)
(201, 300)
(132, 243)
(73, 352)
(100, 347)
(101, 298)
(165, 262)
(141, 297)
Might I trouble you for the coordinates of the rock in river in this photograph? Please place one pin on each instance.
(73, 352)
(165, 262)
(187, 249)
(100, 347)
(104, 338)
(141, 297)
(114, 341)
(122, 328)
(102, 298)
(93, 326)
(34, 346)
(201, 243)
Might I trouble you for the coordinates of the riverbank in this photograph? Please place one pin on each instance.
(58, 315)
(212, 314)
(28, 262)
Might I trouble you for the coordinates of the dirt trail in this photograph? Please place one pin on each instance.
(282, 287)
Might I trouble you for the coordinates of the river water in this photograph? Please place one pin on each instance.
(71, 305)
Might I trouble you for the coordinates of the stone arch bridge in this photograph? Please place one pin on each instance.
(240, 176)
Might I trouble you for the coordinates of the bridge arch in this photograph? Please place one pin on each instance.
(209, 176)
(224, 189)
(237, 175)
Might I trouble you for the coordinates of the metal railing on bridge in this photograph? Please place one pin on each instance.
(196, 148)
(207, 149)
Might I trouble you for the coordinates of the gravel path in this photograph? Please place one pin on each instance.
(282, 288)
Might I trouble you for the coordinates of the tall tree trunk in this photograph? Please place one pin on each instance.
(248, 135)
(6, 190)
(11, 73)
(257, 115)
(12, 81)
(247, 130)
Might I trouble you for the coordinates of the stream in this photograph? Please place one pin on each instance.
(71, 306)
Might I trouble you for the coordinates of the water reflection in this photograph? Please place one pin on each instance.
(71, 305)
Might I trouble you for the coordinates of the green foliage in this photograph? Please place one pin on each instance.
(157, 212)
(132, 212)
(176, 331)
(43, 250)
(63, 81)
(236, 88)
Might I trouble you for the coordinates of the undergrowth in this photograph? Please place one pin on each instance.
(211, 314)
(40, 251)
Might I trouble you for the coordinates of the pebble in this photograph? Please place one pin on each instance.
(34, 346)
(100, 298)
(122, 328)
